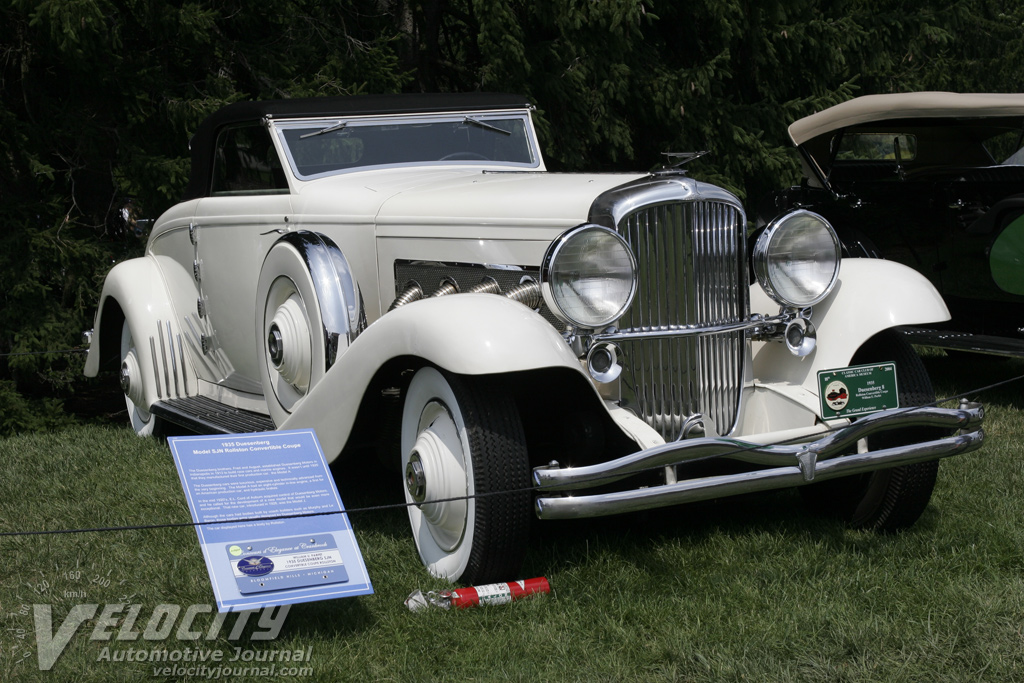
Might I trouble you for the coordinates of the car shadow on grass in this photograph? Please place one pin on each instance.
(768, 520)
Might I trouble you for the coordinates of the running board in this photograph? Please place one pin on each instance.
(206, 416)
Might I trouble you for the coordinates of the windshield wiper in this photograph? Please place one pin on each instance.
(328, 129)
(486, 126)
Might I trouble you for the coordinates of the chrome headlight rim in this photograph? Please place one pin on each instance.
(761, 257)
(557, 250)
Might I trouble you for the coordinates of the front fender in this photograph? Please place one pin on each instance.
(470, 334)
(871, 295)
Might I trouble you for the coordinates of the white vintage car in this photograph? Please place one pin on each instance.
(401, 271)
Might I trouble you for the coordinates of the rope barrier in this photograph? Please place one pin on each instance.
(396, 506)
(45, 353)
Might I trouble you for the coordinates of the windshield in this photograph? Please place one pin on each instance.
(319, 147)
(859, 151)
(877, 147)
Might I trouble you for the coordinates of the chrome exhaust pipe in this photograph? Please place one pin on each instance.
(412, 292)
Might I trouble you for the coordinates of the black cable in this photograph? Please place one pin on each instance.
(394, 506)
(45, 353)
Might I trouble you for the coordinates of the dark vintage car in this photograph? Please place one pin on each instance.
(932, 180)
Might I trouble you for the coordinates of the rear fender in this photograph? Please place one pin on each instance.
(136, 291)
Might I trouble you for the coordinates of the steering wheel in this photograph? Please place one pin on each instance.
(463, 155)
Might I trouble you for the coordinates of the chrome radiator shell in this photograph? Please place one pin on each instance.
(689, 240)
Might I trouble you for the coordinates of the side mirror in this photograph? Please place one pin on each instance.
(123, 221)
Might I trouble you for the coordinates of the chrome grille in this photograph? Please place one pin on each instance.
(691, 275)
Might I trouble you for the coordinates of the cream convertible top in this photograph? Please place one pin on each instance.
(905, 106)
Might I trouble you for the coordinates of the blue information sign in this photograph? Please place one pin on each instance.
(254, 560)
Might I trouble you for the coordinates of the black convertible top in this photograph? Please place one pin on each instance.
(202, 142)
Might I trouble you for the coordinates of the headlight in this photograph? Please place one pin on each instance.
(796, 259)
(588, 276)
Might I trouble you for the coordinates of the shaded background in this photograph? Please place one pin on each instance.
(98, 99)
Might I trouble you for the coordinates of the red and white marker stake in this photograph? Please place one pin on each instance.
(497, 593)
(490, 594)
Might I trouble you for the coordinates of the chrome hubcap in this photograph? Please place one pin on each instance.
(435, 476)
(275, 346)
(126, 378)
(129, 378)
(415, 478)
(288, 344)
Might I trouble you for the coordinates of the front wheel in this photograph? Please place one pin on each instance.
(467, 475)
(888, 499)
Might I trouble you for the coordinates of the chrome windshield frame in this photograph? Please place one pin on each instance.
(348, 124)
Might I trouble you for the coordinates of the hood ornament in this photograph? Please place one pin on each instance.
(676, 160)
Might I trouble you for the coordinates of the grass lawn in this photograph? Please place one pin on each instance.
(743, 589)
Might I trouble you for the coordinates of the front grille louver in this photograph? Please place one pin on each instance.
(691, 274)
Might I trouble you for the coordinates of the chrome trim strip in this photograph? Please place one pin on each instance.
(668, 332)
(156, 368)
(163, 357)
(174, 361)
(184, 374)
(574, 507)
(341, 308)
(829, 446)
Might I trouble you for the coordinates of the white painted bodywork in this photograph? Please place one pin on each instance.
(423, 330)
(468, 213)
(871, 295)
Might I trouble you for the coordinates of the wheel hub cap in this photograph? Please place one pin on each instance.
(129, 375)
(415, 479)
(288, 344)
(126, 378)
(275, 346)
(436, 471)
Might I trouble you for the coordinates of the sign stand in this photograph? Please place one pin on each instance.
(282, 545)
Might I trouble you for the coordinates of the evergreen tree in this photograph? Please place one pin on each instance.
(98, 99)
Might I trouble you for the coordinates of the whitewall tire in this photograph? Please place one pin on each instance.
(466, 473)
(289, 313)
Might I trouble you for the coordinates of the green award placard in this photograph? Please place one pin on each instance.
(857, 390)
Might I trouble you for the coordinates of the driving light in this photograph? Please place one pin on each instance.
(588, 276)
(796, 259)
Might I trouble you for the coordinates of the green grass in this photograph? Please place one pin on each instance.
(748, 589)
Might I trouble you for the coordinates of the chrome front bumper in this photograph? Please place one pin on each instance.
(788, 465)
